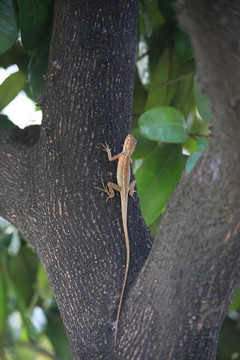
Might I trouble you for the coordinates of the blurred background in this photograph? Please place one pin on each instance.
(171, 121)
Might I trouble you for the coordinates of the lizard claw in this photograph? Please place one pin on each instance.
(131, 194)
(105, 147)
(104, 189)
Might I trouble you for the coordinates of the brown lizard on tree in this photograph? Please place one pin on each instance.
(124, 187)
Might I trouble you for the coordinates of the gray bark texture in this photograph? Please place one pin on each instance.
(175, 301)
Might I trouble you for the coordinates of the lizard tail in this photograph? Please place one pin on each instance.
(124, 218)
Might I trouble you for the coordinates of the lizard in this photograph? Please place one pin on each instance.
(125, 187)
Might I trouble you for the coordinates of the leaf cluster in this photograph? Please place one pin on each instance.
(170, 114)
(30, 323)
(25, 30)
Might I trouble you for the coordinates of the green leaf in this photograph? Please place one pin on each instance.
(235, 305)
(3, 223)
(5, 241)
(8, 24)
(167, 9)
(38, 67)
(154, 15)
(15, 243)
(144, 146)
(57, 335)
(23, 290)
(163, 124)
(43, 284)
(16, 55)
(157, 178)
(160, 91)
(194, 157)
(34, 16)
(190, 104)
(144, 25)
(31, 329)
(6, 123)
(150, 17)
(158, 37)
(183, 93)
(190, 145)
(154, 226)
(196, 125)
(21, 280)
(3, 302)
(203, 103)
(11, 86)
(183, 46)
(139, 97)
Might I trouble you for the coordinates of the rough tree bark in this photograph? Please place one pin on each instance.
(175, 308)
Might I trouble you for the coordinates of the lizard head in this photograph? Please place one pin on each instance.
(129, 144)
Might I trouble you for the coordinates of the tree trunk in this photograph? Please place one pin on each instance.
(175, 308)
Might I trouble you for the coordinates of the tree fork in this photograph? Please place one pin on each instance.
(176, 307)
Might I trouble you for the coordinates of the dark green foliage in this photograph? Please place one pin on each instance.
(32, 19)
(37, 68)
(165, 106)
(5, 123)
(163, 168)
(8, 24)
(34, 16)
(11, 87)
(24, 293)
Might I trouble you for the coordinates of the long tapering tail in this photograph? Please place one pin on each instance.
(124, 221)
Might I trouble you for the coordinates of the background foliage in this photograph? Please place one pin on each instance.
(171, 123)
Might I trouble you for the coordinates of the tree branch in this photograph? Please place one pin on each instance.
(181, 298)
(17, 147)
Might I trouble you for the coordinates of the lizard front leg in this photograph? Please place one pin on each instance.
(108, 151)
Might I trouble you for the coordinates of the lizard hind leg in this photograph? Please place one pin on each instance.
(104, 189)
(131, 189)
(109, 189)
